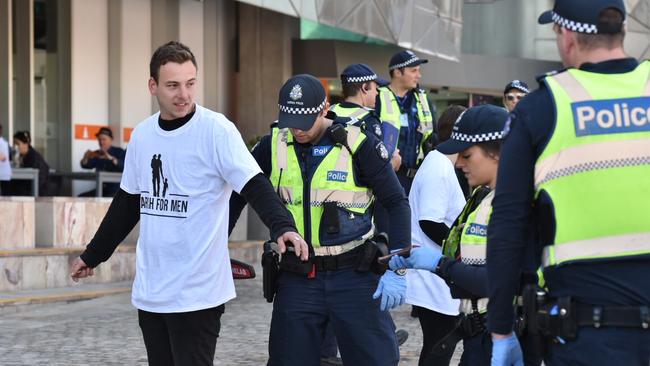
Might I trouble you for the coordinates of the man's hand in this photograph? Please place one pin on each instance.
(392, 289)
(299, 244)
(79, 269)
(396, 160)
(506, 350)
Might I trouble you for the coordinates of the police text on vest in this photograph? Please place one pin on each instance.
(597, 117)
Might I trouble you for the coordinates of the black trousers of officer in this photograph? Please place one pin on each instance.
(181, 339)
(604, 346)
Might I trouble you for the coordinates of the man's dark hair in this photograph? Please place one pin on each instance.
(447, 120)
(169, 52)
(611, 31)
(352, 89)
(391, 72)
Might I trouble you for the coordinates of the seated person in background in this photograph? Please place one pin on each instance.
(107, 158)
(5, 162)
(29, 158)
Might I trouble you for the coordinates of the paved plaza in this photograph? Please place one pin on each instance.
(104, 331)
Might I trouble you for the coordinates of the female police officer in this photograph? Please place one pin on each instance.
(476, 138)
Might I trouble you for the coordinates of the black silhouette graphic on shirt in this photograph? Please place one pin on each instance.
(165, 186)
(171, 203)
(157, 173)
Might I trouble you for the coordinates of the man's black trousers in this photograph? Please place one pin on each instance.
(180, 339)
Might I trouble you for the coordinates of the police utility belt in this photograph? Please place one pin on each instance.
(561, 317)
(360, 255)
(407, 172)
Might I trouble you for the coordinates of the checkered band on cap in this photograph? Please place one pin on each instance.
(573, 25)
(405, 63)
(360, 79)
(491, 136)
(298, 110)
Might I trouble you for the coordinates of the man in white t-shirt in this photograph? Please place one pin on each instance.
(436, 200)
(197, 157)
(5, 162)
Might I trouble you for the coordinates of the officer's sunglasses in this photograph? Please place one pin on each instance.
(512, 96)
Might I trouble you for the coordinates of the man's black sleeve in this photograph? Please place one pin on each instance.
(122, 216)
(436, 231)
(471, 280)
(376, 172)
(259, 193)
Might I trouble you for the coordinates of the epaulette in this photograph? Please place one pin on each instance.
(274, 124)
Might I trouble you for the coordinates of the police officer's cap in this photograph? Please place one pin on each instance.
(405, 59)
(477, 124)
(358, 73)
(302, 98)
(582, 15)
(517, 84)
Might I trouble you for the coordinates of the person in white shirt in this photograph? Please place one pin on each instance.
(436, 199)
(5, 161)
(183, 274)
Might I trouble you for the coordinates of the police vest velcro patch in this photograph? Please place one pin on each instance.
(337, 176)
(597, 117)
(320, 150)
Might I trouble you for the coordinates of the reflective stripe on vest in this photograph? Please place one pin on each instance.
(596, 166)
(333, 180)
(354, 113)
(473, 244)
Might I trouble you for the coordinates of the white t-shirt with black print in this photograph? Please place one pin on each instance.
(184, 178)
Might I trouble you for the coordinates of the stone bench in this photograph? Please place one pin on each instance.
(16, 223)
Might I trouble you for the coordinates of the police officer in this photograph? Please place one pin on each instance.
(576, 162)
(405, 106)
(513, 93)
(329, 174)
(360, 92)
(476, 138)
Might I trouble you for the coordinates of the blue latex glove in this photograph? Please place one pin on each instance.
(392, 289)
(397, 262)
(420, 258)
(507, 352)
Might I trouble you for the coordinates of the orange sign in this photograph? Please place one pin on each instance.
(86, 132)
(126, 133)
